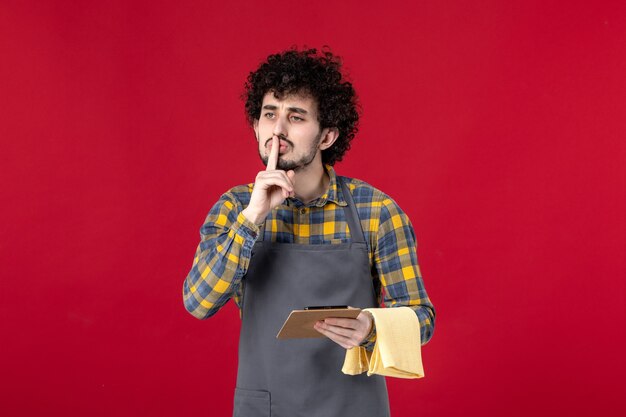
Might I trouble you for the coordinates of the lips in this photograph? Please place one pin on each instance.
(283, 146)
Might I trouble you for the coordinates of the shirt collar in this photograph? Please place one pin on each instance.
(333, 193)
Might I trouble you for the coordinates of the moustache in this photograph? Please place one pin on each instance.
(280, 136)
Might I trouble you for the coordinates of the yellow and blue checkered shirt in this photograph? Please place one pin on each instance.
(227, 238)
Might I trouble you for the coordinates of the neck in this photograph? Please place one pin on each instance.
(311, 182)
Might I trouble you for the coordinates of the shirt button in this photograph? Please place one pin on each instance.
(302, 210)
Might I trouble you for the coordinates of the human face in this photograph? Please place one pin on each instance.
(293, 118)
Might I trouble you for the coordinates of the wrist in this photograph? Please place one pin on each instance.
(372, 329)
(256, 218)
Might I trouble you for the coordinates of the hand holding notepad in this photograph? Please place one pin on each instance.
(300, 323)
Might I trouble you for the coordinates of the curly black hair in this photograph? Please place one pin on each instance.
(313, 73)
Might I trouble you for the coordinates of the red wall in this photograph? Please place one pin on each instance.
(499, 127)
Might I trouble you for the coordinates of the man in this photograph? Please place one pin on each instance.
(299, 236)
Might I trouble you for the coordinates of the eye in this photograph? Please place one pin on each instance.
(269, 115)
(297, 119)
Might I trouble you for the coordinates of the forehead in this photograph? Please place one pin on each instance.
(301, 101)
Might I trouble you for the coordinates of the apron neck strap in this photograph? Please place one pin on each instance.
(352, 216)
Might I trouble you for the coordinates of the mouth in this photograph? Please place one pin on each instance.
(282, 148)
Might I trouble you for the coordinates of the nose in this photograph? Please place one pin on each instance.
(280, 127)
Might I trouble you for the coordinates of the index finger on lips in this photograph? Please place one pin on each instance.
(272, 161)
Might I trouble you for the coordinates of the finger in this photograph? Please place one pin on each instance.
(292, 178)
(268, 180)
(354, 329)
(277, 173)
(340, 340)
(272, 161)
(346, 332)
(342, 322)
(340, 331)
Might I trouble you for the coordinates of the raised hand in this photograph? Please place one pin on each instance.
(271, 187)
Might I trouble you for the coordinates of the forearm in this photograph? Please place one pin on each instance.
(221, 260)
(410, 292)
(426, 316)
(398, 268)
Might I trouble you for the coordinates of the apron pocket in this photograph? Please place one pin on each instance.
(251, 403)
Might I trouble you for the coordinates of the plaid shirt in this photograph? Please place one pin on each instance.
(227, 238)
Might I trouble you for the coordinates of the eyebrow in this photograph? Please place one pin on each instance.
(292, 109)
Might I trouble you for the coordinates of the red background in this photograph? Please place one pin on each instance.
(498, 126)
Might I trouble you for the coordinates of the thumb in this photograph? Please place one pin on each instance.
(292, 177)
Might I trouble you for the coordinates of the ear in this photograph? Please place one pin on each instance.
(329, 136)
(255, 126)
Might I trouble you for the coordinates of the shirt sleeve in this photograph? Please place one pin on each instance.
(221, 260)
(395, 259)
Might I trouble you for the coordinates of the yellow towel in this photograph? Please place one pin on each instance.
(397, 350)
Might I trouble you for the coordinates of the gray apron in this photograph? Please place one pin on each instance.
(302, 377)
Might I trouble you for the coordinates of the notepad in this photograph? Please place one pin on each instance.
(299, 324)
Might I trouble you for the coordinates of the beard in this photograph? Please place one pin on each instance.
(297, 165)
